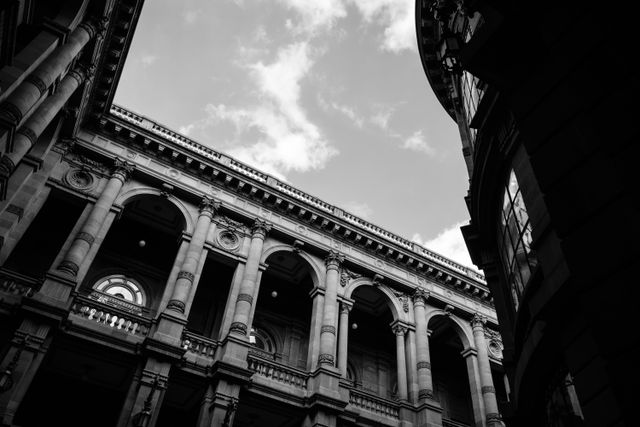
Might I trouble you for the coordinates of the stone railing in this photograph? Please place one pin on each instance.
(17, 284)
(369, 402)
(301, 195)
(277, 372)
(253, 173)
(198, 344)
(115, 302)
(111, 317)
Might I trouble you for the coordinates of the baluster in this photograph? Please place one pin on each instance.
(92, 312)
(113, 321)
(134, 328)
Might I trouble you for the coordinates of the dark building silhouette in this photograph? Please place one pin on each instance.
(544, 94)
(148, 280)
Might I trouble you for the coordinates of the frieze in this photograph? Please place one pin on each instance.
(400, 261)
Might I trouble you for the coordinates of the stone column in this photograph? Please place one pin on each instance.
(186, 275)
(317, 298)
(400, 330)
(343, 337)
(240, 324)
(85, 238)
(27, 135)
(425, 385)
(328, 329)
(35, 85)
(484, 367)
(470, 356)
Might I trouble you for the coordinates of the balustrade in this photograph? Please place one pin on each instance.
(109, 316)
(277, 372)
(362, 400)
(199, 345)
(18, 285)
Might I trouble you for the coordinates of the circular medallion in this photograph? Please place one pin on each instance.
(79, 179)
(228, 240)
(495, 348)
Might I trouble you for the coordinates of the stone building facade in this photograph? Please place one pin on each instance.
(147, 280)
(544, 97)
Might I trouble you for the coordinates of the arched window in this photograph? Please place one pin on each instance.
(118, 287)
(262, 340)
(514, 240)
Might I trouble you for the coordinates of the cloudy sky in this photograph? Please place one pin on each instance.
(328, 95)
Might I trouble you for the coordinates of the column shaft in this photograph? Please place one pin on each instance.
(425, 384)
(85, 238)
(343, 339)
(240, 324)
(401, 361)
(24, 97)
(328, 329)
(29, 133)
(186, 275)
(484, 367)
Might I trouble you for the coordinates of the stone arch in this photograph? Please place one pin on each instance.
(315, 271)
(462, 328)
(392, 301)
(132, 194)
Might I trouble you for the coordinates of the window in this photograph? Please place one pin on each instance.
(514, 240)
(118, 287)
(261, 340)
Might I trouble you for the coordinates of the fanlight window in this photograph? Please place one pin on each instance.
(514, 240)
(260, 339)
(123, 288)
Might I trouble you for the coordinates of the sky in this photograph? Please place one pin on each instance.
(327, 95)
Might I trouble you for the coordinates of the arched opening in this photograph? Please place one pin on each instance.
(283, 310)
(372, 346)
(140, 249)
(451, 385)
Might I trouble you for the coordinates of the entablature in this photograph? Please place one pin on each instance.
(212, 172)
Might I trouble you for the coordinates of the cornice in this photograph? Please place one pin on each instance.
(151, 139)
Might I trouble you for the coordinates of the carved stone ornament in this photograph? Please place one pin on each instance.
(79, 179)
(260, 228)
(228, 240)
(495, 348)
(404, 299)
(346, 277)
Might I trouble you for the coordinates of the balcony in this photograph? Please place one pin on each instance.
(110, 315)
(272, 374)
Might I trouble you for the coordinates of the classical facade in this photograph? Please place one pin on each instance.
(147, 280)
(544, 97)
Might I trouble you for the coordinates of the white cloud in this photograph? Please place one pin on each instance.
(360, 209)
(288, 139)
(398, 19)
(316, 14)
(418, 142)
(381, 118)
(346, 110)
(148, 59)
(450, 243)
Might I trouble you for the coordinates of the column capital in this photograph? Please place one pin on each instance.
(123, 170)
(260, 228)
(333, 260)
(208, 206)
(478, 321)
(399, 329)
(345, 307)
(420, 297)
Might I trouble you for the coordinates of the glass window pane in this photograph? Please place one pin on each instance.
(520, 211)
(513, 184)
